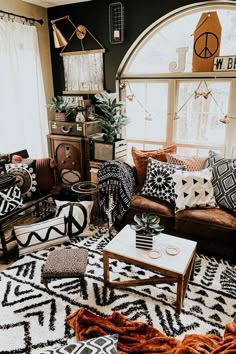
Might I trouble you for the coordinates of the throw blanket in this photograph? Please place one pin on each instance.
(139, 337)
(116, 184)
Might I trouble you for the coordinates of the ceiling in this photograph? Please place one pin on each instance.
(51, 3)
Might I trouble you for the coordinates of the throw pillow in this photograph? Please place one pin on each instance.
(159, 181)
(192, 163)
(25, 173)
(10, 199)
(102, 345)
(44, 234)
(140, 158)
(77, 216)
(224, 180)
(193, 189)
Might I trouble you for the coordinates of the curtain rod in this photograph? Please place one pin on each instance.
(11, 17)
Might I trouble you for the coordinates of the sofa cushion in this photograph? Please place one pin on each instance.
(191, 163)
(211, 224)
(193, 189)
(140, 158)
(152, 204)
(159, 181)
(224, 180)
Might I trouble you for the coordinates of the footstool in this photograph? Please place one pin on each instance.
(65, 263)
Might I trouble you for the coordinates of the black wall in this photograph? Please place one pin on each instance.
(139, 14)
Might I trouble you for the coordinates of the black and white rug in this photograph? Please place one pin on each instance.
(32, 318)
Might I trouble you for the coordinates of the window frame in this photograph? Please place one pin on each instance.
(174, 78)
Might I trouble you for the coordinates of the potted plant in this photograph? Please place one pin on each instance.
(58, 105)
(64, 111)
(111, 119)
(146, 226)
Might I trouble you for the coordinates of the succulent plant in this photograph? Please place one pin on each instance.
(147, 223)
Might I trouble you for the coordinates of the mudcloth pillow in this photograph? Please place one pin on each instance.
(44, 234)
(224, 180)
(77, 216)
(193, 189)
(99, 345)
(10, 199)
(25, 173)
(192, 163)
(140, 158)
(159, 181)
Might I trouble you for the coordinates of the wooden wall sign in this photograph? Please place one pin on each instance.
(207, 37)
(227, 63)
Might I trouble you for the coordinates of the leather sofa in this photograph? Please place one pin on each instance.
(214, 229)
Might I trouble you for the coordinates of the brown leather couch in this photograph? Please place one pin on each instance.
(214, 229)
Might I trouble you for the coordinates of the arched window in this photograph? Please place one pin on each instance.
(169, 102)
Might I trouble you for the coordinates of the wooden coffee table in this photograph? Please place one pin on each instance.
(176, 268)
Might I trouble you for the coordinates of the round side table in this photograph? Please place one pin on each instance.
(87, 190)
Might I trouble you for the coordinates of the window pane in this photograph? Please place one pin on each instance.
(159, 49)
(199, 117)
(147, 110)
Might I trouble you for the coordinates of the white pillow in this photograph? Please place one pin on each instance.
(193, 189)
(44, 234)
(77, 216)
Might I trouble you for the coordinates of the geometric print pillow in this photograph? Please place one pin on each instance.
(193, 189)
(192, 163)
(224, 180)
(98, 345)
(159, 181)
(77, 216)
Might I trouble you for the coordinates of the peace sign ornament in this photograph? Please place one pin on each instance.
(206, 47)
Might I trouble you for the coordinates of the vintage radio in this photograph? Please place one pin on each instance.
(74, 128)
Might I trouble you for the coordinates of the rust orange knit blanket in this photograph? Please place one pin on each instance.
(139, 337)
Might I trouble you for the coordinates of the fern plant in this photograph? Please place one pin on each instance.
(147, 224)
(113, 118)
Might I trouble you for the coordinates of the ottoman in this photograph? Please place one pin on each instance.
(65, 263)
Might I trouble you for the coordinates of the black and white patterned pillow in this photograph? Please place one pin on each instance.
(223, 180)
(159, 181)
(25, 173)
(41, 235)
(193, 189)
(77, 216)
(99, 345)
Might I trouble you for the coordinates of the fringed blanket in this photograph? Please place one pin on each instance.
(116, 184)
(139, 337)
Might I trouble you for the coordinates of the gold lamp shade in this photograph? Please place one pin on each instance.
(59, 39)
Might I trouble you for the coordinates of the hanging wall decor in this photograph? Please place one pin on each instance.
(116, 23)
(207, 37)
(202, 91)
(83, 70)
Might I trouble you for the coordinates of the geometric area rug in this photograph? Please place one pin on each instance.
(32, 317)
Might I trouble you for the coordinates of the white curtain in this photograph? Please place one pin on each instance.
(23, 113)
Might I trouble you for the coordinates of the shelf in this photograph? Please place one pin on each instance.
(76, 92)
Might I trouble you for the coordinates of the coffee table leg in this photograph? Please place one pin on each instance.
(180, 294)
(106, 267)
(182, 284)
